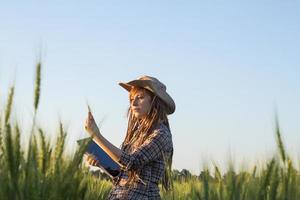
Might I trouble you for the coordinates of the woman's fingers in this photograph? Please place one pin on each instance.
(90, 116)
(89, 121)
(91, 126)
(86, 125)
(91, 160)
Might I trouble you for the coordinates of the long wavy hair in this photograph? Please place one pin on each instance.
(139, 130)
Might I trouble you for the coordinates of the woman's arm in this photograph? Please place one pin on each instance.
(113, 151)
(92, 128)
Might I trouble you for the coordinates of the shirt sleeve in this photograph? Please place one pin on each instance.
(158, 143)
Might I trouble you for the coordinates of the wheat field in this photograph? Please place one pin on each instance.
(40, 170)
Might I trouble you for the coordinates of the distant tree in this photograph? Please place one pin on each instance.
(185, 174)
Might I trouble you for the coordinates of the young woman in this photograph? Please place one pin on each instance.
(146, 153)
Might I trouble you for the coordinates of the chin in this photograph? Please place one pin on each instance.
(138, 115)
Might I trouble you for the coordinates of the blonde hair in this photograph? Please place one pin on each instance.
(139, 130)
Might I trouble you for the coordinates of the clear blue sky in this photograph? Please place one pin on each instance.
(226, 64)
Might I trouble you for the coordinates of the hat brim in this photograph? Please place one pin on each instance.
(165, 97)
(137, 83)
(126, 86)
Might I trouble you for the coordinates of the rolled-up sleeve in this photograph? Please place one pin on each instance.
(159, 142)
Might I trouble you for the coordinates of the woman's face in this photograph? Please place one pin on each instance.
(140, 103)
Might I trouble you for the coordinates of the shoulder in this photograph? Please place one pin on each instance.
(161, 129)
(162, 136)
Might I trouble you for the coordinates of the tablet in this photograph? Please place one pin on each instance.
(105, 162)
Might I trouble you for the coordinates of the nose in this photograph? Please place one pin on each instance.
(134, 102)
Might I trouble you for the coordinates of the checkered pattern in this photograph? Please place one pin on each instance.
(148, 162)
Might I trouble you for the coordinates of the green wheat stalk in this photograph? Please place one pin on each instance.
(1, 143)
(280, 142)
(274, 184)
(37, 88)
(8, 109)
(206, 185)
(37, 92)
(266, 181)
(220, 184)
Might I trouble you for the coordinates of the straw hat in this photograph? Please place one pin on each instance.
(155, 86)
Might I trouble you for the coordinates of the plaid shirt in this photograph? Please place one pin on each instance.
(148, 162)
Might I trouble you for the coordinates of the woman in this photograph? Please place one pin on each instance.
(146, 153)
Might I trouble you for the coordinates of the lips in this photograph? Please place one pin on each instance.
(136, 109)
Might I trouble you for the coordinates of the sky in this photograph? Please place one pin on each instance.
(229, 65)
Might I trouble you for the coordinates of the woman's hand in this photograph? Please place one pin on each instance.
(91, 126)
(91, 160)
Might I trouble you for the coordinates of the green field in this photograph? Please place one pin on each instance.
(40, 170)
